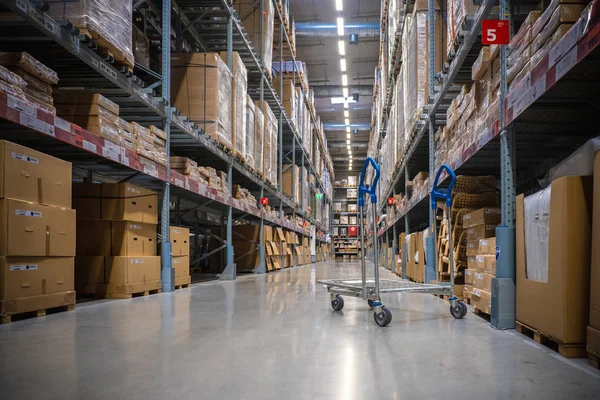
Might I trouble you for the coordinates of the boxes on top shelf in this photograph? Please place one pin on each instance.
(180, 240)
(259, 27)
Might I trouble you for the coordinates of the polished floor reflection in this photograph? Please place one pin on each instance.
(275, 336)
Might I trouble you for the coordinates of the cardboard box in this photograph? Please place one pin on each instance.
(259, 27)
(593, 331)
(481, 300)
(467, 289)
(28, 229)
(181, 265)
(127, 202)
(487, 246)
(34, 276)
(483, 281)
(93, 238)
(87, 200)
(180, 241)
(90, 274)
(472, 248)
(291, 182)
(29, 175)
(469, 276)
(471, 262)
(480, 232)
(479, 263)
(483, 216)
(489, 264)
(132, 274)
(557, 304)
(239, 85)
(133, 239)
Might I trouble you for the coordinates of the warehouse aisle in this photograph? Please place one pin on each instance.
(275, 336)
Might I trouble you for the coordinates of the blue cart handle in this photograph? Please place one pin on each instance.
(366, 189)
(442, 194)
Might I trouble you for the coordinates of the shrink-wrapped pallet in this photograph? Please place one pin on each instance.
(259, 136)
(238, 103)
(250, 126)
(253, 19)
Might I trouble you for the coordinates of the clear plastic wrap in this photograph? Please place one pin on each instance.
(12, 90)
(67, 97)
(39, 96)
(537, 219)
(250, 126)
(482, 64)
(201, 89)
(29, 64)
(519, 46)
(40, 104)
(549, 11)
(157, 132)
(579, 163)
(238, 103)
(524, 35)
(108, 22)
(85, 110)
(416, 69)
(251, 19)
(457, 11)
(12, 78)
(141, 47)
(98, 126)
(519, 63)
(142, 133)
(259, 137)
(270, 145)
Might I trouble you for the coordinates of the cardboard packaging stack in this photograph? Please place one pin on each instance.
(37, 231)
(116, 240)
(415, 256)
(201, 88)
(268, 143)
(28, 79)
(245, 244)
(553, 254)
(238, 104)
(260, 121)
(593, 329)
(259, 26)
(280, 239)
(291, 182)
(519, 49)
(250, 135)
(481, 256)
(187, 167)
(107, 22)
(243, 194)
(180, 248)
(458, 10)
(216, 179)
(289, 97)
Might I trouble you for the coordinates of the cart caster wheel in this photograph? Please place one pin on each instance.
(459, 311)
(370, 302)
(338, 303)
(383, 318)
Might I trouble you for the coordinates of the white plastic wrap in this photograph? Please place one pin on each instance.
(12, 78)
(259, 136)
(238, 106)
(579, 163)
(457, 11)
(29, 64)
(250, 126)
(106, 21)
(537, 219)
(270, 149)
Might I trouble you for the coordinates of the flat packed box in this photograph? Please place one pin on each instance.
(481, 232)
(35, 276)
(469, 276)
(483, 281)
(127, 202)
(553, 256)
(483, 216)
(180, 241)
(181, 265)
(132, 274)
(29, 175)
(481, 300)
(29, 229)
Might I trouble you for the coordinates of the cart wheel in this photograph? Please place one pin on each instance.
(459, 311)
(370, 302)
(384, 317)
(338, 303)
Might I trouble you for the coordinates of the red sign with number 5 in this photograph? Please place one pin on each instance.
(495, 31)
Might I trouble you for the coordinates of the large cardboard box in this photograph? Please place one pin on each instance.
(180, 241)
(34, 276)
(93, 238)
(126, 275)
(28, 229)
(201, 89)
(87, 200)
(259, 26)
(483, 281)
(487, 246)
(90, 275)
(181, 265)
(29, 175)
(127, 202)
(238, 103)
(133, 239)
(291, 181)
(481, 300)
(593, 332)
(483, 216)
(557, 302)
(480, 232)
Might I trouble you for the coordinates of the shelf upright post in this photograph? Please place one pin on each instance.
(387, 239)
(229, 273)
(280, 130)
(261, 240)
(503, 286)
(406, 226)
(394, 239)
(294, 193)
(167, 273)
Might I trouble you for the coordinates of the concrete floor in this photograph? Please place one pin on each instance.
(275, 336)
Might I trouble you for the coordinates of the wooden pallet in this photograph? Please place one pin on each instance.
(574, 350)
(36, 306)
(593, 359)
(187, 285)
(131, 295)
(106, 49)
(481, 313)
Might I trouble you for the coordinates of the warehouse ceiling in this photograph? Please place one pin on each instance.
(321, 54)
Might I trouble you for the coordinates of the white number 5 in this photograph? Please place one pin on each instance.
(491, 35)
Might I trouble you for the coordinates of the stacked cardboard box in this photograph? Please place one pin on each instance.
(201, 88)
(243, 194)
(216, 179)
(269, 143)
(458, 10)
(250, 127)
(116, 239)
(280, 240)
(593, 329)
(238, 104)
(180, 248)
(415, 257)
(289, 97)
(33, 81)
(37, 231)
(291, 182)
(481, 256)
(259, 26)
(519, 50)
(187, 167)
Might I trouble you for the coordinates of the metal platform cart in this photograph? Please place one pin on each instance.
(371, 289)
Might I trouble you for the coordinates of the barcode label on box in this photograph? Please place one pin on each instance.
(23, 157)
(62, 124)
(90, 146)
(22, 106)
(478, 276)
(133, 190)
(483, 242)
(468, 272)
(26, 267)
(479, 259)
(176, 261)
(134, 226)
(27, 213)
(137, 261)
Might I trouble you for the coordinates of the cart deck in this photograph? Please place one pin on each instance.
(354, 286)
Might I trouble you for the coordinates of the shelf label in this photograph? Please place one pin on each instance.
(111, 150)
(179, 182)
(522, 104)
(40, 18)
(62, 124)
(34, 123)
(495, 31)
(566, 63)
(538, 88)
(89, 146)
(124, 158)
(105, 69)
(21, 106)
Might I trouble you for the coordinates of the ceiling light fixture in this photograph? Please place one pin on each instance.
(341, 48)
(340, 26)
(346, 104)
(345, 92)
(348, 136)
(348, 146)
(347, 121)
(347, 141)
(344, 80)
(346, 114)
(339, 5)
(343, 64)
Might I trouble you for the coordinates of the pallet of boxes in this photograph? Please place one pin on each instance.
(480, 226)
(116, 240)
(37, 233)
(180, 250)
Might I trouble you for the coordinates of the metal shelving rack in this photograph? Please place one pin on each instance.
(544, 118)
(218, 28)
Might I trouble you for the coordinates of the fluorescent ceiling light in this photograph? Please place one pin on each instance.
(345, 92)
(346, 114)
(347, 121)
(347, 141)
(340, 26)
(342, 100)
(339, 5)
(349, 168)
(341, 48)
(346, 103)
(344, 80)
(348, 136)
(348, 146)
(343, 64)
(347, 129)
